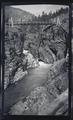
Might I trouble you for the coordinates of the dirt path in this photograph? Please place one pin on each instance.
(35, 77)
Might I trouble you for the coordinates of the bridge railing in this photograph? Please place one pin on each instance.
(31, 23)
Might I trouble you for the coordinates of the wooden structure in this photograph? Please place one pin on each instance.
(10, 22)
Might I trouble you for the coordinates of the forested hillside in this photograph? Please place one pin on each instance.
(18, 15)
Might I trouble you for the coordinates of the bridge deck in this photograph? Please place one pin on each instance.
(34, 23)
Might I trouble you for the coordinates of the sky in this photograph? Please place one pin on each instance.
(38, 9)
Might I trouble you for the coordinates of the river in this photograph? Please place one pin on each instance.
(36, 77)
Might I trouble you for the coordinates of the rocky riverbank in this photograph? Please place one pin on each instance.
(41, 98)
(18, 68)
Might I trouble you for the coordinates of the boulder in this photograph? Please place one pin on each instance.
(20, 74)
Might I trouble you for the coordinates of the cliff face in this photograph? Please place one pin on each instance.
(56, 38)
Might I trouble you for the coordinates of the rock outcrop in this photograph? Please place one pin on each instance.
(58, 38)
(46, 55)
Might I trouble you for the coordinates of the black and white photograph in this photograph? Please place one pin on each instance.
(36, 80)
